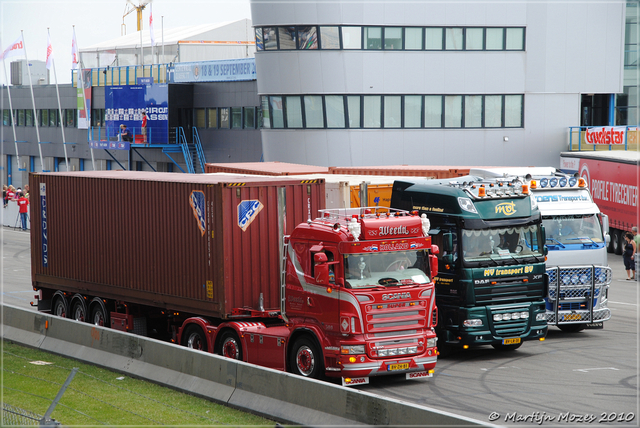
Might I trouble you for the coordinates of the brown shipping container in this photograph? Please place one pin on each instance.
(430, 171)
(265, 168)
(163, 239)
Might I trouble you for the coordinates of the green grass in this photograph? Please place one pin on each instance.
(98, 396)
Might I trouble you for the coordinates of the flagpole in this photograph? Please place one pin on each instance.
(80, 84)
(162, 29)
(35, 113)
(13, 122)
(53, 64)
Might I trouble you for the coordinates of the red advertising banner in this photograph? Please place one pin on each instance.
(610, 135)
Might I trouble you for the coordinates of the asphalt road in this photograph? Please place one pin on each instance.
(575, 379)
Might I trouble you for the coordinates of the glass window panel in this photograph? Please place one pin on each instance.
(308, 37)
(70, 118)
(287, 37)
(495, 39)
(392, 111)
(353, 105)
(454, 39)
(259, 45)
(54, 120)
(236, 117)
(293, 108)
(277, 120)
(313, 111)
(413, 38)
(453, 111)
(335, 111)
(20, 119)
(200, 118)
(433, 38)
(330, 37)
(513, 111)
(266, 117)
(44, 117)
(6, 117)
(351, 38)
(270, 39)
(373, 37)
(372, 105)
(475, 37)
(393, 38)
(249, 117)
(493, 111)
(28, 114)
(212, 117)
(515, 39)
(473, 111)
(224, 118)
(433, 111)
(412, 111)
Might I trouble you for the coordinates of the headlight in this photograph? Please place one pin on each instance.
(383, 352)
(566, 280)
(352, 349)
(467, 205)
(584, 278)
(506, 317)
(393, 351)
(430, 343)
(472, 323)
(574, 278)
(515, 316)
(524, 315)
(426, 293)
(497, 317)
(541, 317)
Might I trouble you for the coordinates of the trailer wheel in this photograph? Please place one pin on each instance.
(571, 328)
(99, 313)
(194, 338)
(616, 240)
(230, 345)
(506, 348)
(306, 359)
(78, 308)
(59, 307)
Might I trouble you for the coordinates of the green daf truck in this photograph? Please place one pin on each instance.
(491, 281)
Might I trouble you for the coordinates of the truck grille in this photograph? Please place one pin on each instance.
(511, 327)
(508, 290)
(384, 320)
(577, 283)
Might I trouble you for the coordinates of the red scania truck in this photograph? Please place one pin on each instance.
(238, 269)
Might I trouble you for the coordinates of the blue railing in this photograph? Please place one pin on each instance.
(578, 133)
(182, 140)
(198, 144)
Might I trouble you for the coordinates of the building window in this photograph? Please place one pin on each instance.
(28, 115)
(513, 111)
(433, 111)
(413, 38)
(287, 36)
(200, 118)
(224, 118)
(270, 39)
(515, 39)
(293, 109)
(314, 113)
(330, 37)
(54, 120)
(473, 111)
(433, 39)
(493, 111)
(266, 117)
(70, 116)
(392, 111)
(351, 38)
(474, 39)
(412, 111)
(354, 109)
(372, 111)
(373, 38)
(335, 111)
(249, 117)
(308, 37)
(453, 111)
(393, 38)
(236, 117)
(212, 118)
(277, 119)
(495, 39)
(6, 117)
(44, 117)
(454, 39)
(259, 44)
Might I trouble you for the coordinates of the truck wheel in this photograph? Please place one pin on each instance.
(571, 328)
(60, 307)
(99, 314)
(306, 360)
(506, 348)
(78, 308)
(194, 338)
(616, 236)
(230, 345)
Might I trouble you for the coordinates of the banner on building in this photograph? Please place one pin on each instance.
(84, 117)
(231, 70)
(605, 135)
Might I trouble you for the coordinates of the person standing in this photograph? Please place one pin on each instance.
(23, 205)
(636, 239)
(144, 126)
(628, 255)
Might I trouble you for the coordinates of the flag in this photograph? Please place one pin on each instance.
(49, 53)
(153, 37)
(75, 56)
(14, 49)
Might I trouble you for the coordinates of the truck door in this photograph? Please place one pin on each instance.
(323, 300)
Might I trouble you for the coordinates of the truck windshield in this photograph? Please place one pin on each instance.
(370, 270)
(573, 229)
(501, 243)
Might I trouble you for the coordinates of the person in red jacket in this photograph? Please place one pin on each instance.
(144, 126)
(23, 205)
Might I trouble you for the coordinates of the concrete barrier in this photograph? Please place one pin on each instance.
(270, 393)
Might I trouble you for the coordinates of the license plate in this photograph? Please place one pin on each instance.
(403, 366)
(512, 341)
(572, 317)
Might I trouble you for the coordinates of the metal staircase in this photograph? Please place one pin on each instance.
(192, 152)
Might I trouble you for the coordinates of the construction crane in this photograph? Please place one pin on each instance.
(130, 7)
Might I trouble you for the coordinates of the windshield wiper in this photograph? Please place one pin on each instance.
(555, 240)
(581, 238)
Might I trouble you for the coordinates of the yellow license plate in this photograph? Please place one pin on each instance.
(511, 341)
(402, 366)
(572, 317)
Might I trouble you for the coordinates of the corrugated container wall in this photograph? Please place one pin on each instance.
(403, 170)
(264, 168)
(165, 240)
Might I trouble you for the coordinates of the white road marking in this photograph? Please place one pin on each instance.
(599, 368)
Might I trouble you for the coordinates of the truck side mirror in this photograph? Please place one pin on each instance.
(545, 249)
(447, 242)
(321, 268)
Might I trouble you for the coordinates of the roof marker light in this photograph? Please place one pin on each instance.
(582, 183)
(544, 182)
(482, 192)
(563, 182)
(573, 181)
(534, 184)
(553, 182)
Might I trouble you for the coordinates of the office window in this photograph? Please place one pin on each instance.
(493, 111)
(224, 118)
(19, 114)
(330, 37)
(259, 44)
(412, 111)
(236, 117)
(413, 38)
(515, 39)
(452, 111)
(270, 39)
(372, 111)
(6, 117)
(249, 117)
(433, 38)
(392, 111)
(293, 110)
(353, 110)
(373, 38)
(28, 115)
(393, 38)
(308, 38)
(264, 108)
(313, 111)
(474, 39)
(495, 39)
(44, 117)
(287, 37)
(513, 111)
(70, 117)
(54, 120)
(454, 39)
(351, 38)
(277, 119)
(433, 111)
(473, 111)
(200, 118)
(212, 118)
(335, 111)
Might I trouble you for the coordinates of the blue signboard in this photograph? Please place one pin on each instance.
(226, 70)
(109, 145)
(125, 104)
